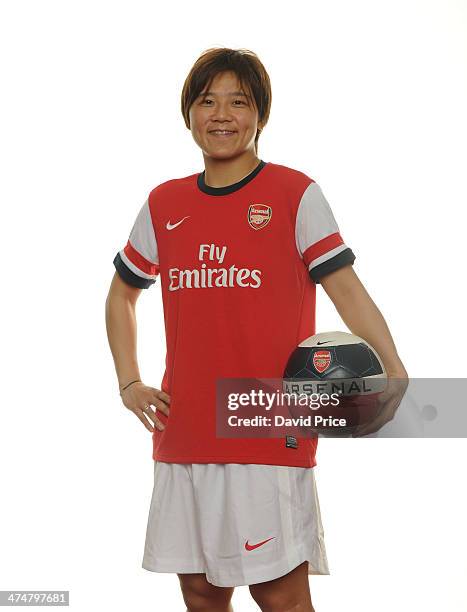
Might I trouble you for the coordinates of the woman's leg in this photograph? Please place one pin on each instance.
(289, 593)
(202, 596)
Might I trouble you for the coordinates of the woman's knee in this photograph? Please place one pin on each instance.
(200, 595)
(278, 602)
(289, 593)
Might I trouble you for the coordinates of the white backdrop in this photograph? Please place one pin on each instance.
(369, 99)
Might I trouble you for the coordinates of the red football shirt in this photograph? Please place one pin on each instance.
(238, 267)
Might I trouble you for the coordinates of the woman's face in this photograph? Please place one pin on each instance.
(224, 107)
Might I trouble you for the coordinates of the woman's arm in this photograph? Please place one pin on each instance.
(120, 319)
(362, 317)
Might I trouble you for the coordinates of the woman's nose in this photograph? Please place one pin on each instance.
(222, 110)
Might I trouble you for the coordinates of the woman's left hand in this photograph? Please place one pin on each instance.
(388, 403)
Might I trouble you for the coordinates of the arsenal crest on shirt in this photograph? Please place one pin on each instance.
(321, 360)
(259, 215)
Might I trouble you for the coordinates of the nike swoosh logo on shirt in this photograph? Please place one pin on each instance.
(325, 342)
(253, 546)
(169, 226)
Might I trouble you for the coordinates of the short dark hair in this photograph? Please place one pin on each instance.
(245, 64)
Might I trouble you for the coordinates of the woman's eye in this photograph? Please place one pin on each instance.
(236, 102)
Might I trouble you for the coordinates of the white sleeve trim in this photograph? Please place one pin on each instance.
(315, 219)
(143, 237)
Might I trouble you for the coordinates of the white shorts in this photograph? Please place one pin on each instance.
(237, 523)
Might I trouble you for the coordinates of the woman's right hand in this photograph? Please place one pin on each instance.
(139, 398)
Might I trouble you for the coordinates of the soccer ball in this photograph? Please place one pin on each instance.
(341, 366)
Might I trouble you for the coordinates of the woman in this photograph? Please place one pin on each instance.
(239, 249)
